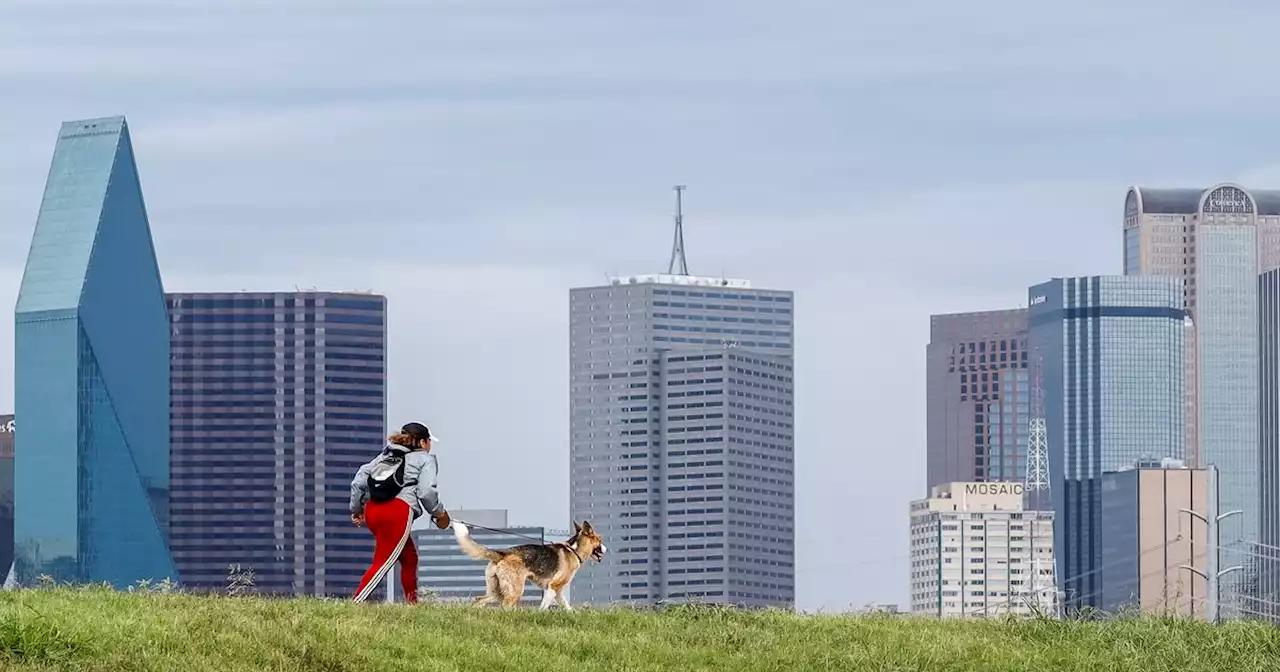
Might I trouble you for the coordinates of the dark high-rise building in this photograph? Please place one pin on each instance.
(277, 399)
(978, 397)
(91, 373)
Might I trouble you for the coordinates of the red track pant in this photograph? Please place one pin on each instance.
(390, 522)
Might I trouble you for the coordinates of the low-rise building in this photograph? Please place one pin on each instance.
(1155, 539)
(977, 552)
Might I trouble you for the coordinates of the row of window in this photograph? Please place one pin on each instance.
(714, 341)
(733, 296)
(719, 318)
(273, 318)
(720, 330)
(712, 306)
(330, 430)
(265, 348)
(272, 380)
(244, 302)
(200, 333)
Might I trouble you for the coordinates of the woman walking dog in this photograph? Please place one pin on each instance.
(387, 495)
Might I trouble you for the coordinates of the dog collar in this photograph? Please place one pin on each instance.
(574, 551)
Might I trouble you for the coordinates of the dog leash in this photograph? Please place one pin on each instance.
(507, 532)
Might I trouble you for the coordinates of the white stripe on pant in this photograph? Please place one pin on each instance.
(391, 562)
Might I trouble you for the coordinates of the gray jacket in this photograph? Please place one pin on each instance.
(418, 466)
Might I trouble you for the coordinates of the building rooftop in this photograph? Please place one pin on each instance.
(689, 280)
(1185, 201)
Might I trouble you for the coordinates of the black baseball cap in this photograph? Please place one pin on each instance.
(419, 432)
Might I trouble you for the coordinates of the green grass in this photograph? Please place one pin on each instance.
(97, 629)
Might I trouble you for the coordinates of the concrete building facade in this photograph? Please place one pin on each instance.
(978, 397)
(1111, 353)
(977, 552)
(91, 373)
(682, 440)
(278, 397)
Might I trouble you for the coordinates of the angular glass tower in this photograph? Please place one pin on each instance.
(91, 376)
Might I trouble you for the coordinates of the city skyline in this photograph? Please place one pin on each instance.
(471, 163)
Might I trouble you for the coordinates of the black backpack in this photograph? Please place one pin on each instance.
(386, 479)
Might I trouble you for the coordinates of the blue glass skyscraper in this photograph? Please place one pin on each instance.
(1110, 352)
(91, 376)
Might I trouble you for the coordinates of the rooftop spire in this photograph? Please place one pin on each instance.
(678, 265)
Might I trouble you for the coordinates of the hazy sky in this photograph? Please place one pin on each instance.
(474, 159)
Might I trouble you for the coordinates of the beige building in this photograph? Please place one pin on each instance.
(1148, 539)
(976, 552)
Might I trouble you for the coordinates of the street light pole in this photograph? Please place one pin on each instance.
(1212, 606)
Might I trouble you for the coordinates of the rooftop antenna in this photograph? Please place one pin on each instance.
(1037, 483)
(1043, 584)
(677, 246)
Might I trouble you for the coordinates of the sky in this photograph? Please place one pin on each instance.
(474, 159)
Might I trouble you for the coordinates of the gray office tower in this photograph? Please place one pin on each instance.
(978, 398)
(277, 398)
(682, 448)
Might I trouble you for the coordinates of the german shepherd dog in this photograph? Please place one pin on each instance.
(550, 566)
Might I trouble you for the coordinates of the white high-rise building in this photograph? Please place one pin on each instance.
(976, 552)
(682, 440)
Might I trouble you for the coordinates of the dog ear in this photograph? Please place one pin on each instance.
(576, 528)
(586, 527)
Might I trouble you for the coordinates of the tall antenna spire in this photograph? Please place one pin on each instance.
(1044, 590)
(677, 246)
(1037, 485)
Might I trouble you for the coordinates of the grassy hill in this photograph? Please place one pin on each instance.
(95, 629)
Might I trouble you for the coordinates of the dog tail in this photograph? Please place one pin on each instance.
(472, 547)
